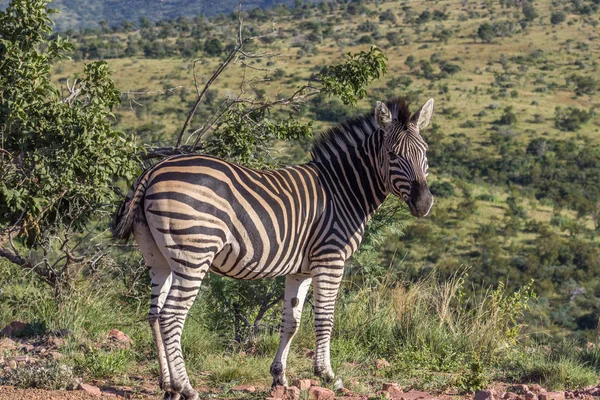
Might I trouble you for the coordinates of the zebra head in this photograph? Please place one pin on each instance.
(405, 159)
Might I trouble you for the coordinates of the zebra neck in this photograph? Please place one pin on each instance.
(352, 179)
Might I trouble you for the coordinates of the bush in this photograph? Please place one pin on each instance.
(508, 117)
(557, 17)
(570, 118)
(442, 189)
(50, 375)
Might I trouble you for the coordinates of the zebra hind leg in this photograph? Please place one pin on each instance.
(296, 287)
(187, 274)
(160, 275)
(326, 283)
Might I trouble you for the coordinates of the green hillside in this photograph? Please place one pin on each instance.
(514, 146)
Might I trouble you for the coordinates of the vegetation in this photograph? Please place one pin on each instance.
(513, 156)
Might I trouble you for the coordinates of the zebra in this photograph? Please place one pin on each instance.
(193, 213)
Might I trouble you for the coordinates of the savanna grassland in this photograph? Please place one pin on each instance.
(499, 283)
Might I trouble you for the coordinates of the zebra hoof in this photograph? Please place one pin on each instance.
(338, 384)
(172, 396)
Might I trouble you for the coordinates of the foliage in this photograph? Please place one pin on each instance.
(60, 156)
(50, 375)
(348, 80)
(558, 17)
(570, 118)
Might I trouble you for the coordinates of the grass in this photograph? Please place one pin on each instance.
(433, 335)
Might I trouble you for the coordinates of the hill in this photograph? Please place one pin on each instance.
(77, 14)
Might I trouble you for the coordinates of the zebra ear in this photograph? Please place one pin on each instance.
(383, 116)
(423, 116)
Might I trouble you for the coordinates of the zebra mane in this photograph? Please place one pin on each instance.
(354, 132)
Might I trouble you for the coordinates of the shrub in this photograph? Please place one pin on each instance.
(570, 118)
(49, 375)
(557, 17)
(508, 117)
(442, 189)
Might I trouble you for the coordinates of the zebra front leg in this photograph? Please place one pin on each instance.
(296, 287)
(326, 283)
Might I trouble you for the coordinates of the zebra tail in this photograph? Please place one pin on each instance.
(126, 214)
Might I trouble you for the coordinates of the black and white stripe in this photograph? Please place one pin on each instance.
(195, 213)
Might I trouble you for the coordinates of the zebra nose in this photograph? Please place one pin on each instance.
(421, 200)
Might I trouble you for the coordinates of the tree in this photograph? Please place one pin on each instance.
(529, 11)
(557, 17)
(570, 118)
(60, 156)
(213, 47)
(486, 32)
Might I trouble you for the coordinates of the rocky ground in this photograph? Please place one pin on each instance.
(18, 352)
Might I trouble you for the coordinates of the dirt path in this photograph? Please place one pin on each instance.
(11, 393)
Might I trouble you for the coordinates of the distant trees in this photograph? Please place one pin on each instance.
(213, 47)
(571, 118)
(583, 84)
(485, 32)
(557, 17)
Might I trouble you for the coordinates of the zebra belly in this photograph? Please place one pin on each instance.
(233, 262)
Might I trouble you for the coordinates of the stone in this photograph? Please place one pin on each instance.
(519, 389)
(320, 393)
(391, 388)
(278, 392)
(381, 363)
(54, 341)
(118, 336)
(416, 395)
(244, 388)
(510, 396)
(292, 393)
(537, 389)
(12, 329)
(484, 395)
(21, 359)
(302, 384)
(314, 382)
(12, 364)
(552, 396)
(345, 392)
(89, 389)
(529, 395)
(7, 344)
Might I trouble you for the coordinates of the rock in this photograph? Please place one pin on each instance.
(569, 395)
(319, 393)
(391, 388)
(7, 344)
(89, 389)
(21, 359)
(314, 382)
(27, 348)
(55, 342)
(529, 395)
(484, 395)
(11, 364)
(552, 396)
(14, 328)
(277, 392)
(593, 391)
(244, 388)
(302, 384)
(519, 389)
(292, 393)
(116, 335)
(510, 396)
(416, 395)
(345, 392)
(537, 389)
(381, 363)
(382, 394)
